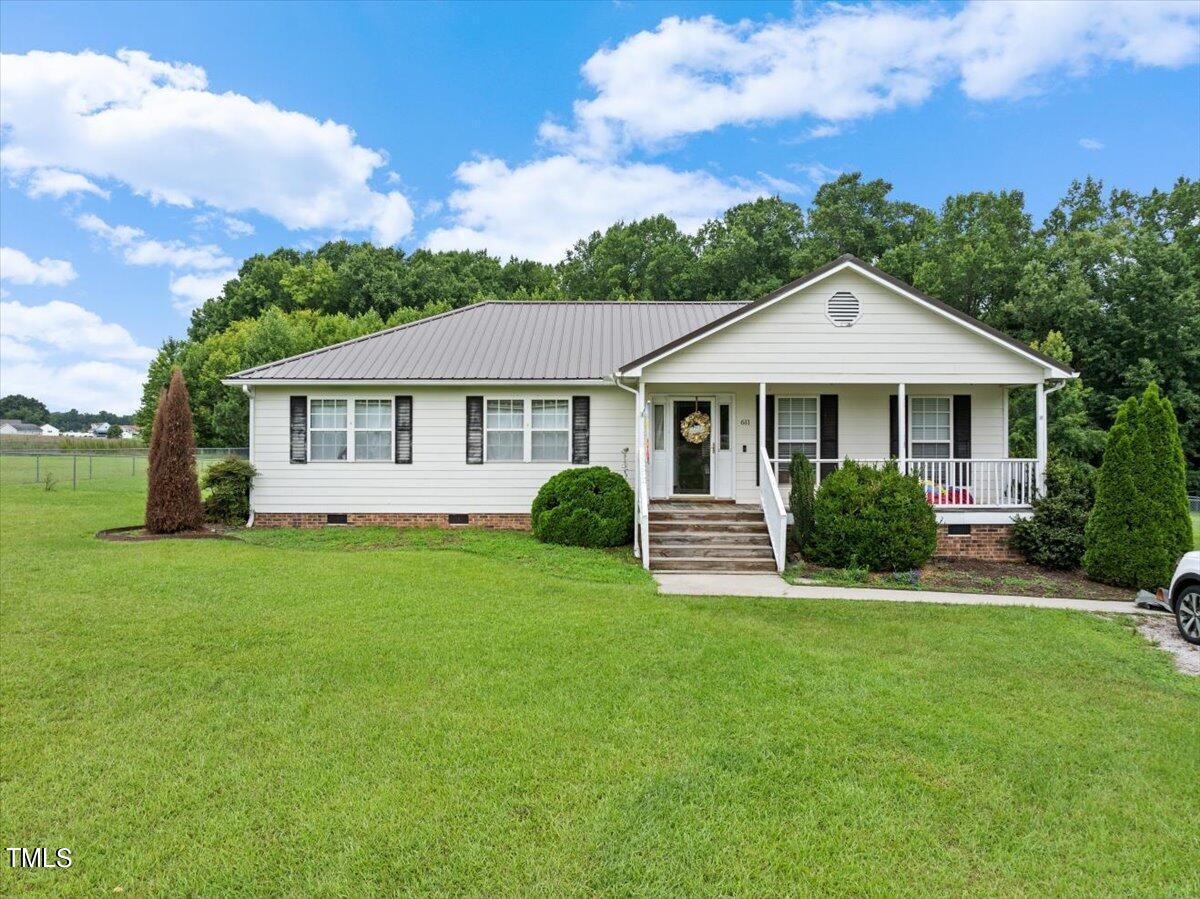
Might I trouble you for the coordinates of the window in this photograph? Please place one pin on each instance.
(372, 430)
(723, 420)
(929, 427)
(550, 430)
(796, 424)
(660, 426)
(336, 435)
(504, 428)
(327, 430)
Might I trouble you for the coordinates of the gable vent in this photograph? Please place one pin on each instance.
(843, 309)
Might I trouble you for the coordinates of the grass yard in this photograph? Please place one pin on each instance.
(352, 712)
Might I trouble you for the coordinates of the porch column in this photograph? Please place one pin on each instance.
(1043, 445)
(762, 427)
(640, 474)
(902, 429)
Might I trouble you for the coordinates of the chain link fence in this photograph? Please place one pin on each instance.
(79, 469)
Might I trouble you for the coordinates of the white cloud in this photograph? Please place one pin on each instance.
(137, 249)
(538, 210)
(1090, 143)
(819, 131)
(847, 62)
(67, 356)
(192, 290)
(18, 268)
(234, 227)
(156, 128)
(69, 328)
(81, 385)
(58, 184)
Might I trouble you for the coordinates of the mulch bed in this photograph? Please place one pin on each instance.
(137, 533)
(969, 576)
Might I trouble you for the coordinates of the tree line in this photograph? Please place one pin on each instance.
(1109, 282)
(34, 411)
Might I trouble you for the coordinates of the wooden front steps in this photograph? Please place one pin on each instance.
(708, 536)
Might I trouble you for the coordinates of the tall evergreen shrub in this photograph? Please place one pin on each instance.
(1139, 526)
(802, 497)
(173, 495)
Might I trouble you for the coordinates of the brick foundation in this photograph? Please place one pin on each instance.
(986, 542)
(495, 521)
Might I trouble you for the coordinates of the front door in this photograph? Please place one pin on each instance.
(693, 461)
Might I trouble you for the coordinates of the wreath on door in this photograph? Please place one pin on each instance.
(696, 428)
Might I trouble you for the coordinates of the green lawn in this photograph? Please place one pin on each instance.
(351, 712)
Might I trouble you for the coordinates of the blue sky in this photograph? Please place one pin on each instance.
(148, 149)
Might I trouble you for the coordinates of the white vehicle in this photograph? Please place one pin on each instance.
(1183, 596)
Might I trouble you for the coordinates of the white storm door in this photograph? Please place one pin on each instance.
(660, 449)
(723, 447)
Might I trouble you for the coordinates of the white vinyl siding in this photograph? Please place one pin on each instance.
(896, 339)
(439, 479)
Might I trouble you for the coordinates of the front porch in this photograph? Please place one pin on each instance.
(955, 441)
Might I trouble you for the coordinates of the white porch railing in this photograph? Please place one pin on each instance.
(773, 508)
(954, 483)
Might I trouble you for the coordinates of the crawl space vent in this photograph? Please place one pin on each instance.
(843, 309)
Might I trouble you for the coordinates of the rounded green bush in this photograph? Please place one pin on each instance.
(873, 518)
(227, 484)
(584, 507)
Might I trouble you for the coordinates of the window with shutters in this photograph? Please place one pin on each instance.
(327, 431)
(549, 430)
(504, 430)
(929, 427)
(372, 430)
(797, 426)
(345, 430)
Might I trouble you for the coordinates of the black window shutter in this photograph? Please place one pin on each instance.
(299, 429)
(962, 435)
(581, 416)
(829, 432)
(894, 426)
(474, 430)
(758, 433)
(404, 421)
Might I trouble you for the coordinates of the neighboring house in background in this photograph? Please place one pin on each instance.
(49, 431)
(461, 417)
(98, 429)
(13, 426)
(130, 432)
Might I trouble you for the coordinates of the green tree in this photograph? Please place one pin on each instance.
(973, 253)
(650, 259)
(1069, 430)
(115, 432)
(24, 408)
(750, 251)
(849, 215)
(1118, 515)
(1139, 526)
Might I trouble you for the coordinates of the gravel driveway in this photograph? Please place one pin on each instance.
(1161, 631)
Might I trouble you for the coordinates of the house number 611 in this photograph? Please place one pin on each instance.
(744, 421)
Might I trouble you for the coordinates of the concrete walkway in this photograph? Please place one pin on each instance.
(708, 584)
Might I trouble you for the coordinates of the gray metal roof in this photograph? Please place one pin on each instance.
(500, 341)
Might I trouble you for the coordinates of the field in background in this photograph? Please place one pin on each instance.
(347, 711)
(83, 470)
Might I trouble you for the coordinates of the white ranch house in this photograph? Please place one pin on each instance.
(460, 418)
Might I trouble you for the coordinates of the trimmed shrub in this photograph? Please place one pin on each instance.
(173, 494)
(228, 486)
(873, 517)
(1053, 536)
(1139, 525)
(802, 497)
(584, 507)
